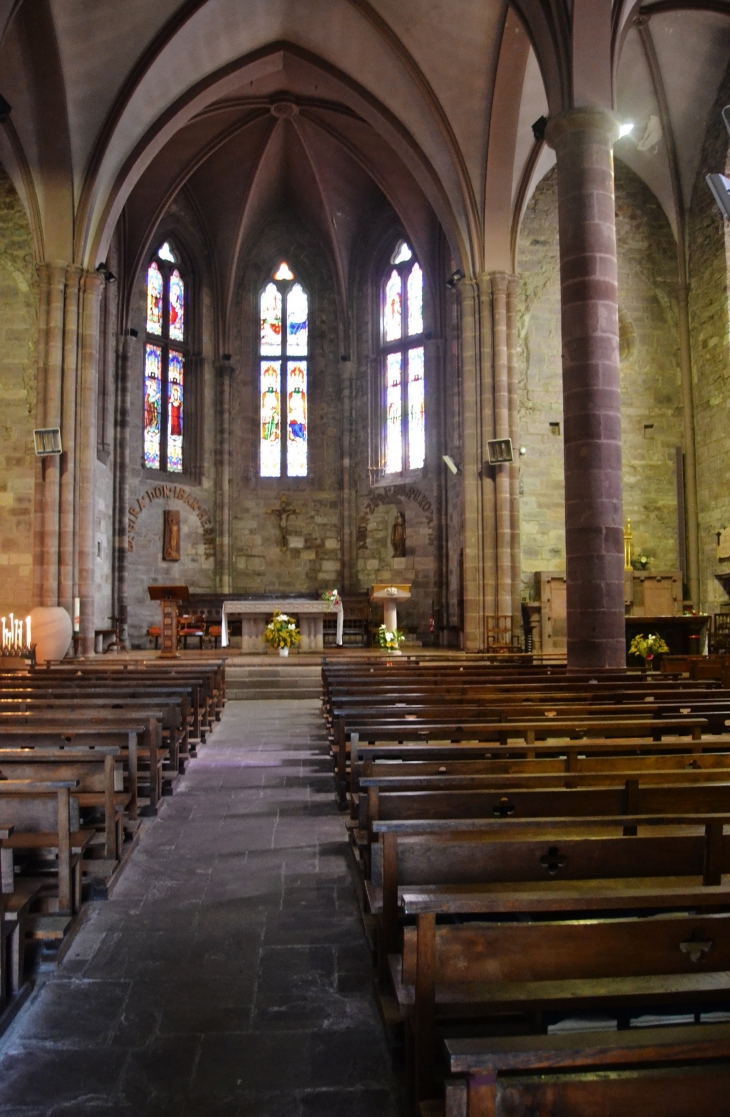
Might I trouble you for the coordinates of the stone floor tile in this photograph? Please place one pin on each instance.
(227, 975)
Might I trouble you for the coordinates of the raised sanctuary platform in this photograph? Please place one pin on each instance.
(256, 614)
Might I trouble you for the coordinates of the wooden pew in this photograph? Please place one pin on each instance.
(467, 859)
(137, 740)
(655, 1072)
(487, 971)
(92, 770)
(530, 732)
(43, 815)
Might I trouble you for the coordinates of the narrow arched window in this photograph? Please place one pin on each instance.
(402, 363)
(283, 353)
(164, 363)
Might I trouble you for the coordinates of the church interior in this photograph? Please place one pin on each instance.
(363, 557)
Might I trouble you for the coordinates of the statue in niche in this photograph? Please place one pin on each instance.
(171, 536)
(398, 536)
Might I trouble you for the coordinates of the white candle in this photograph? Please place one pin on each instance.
(27, 632)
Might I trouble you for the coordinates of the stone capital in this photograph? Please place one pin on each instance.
(582, 120)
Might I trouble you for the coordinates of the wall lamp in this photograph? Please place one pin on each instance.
(103, 270)
(719, 184)
(451, 464)
(454, 278)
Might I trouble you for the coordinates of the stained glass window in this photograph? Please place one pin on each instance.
(393, 419)
(415, 301)
(296, 320)
(404, 398)
(296, 451)
(154, 299)
(271, 418)
(175, 412)
(416, 410)
(271, 320)
(177, 307)
(164, 363)
(283, 301)
(393, 306)
(152, 399)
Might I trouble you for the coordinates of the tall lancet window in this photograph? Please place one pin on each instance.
(164, 363)
(403, 387)
(283, 350)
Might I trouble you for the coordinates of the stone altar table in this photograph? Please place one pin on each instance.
(255, 615)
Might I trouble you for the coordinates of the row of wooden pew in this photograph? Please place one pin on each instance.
(87, 749)
(544, 856)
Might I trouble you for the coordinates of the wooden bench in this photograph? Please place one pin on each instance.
(447, 854)
(44, 815)
(93, 771)
(507, 972)
(655, 1072)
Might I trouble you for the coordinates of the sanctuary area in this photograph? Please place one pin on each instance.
(364, 557)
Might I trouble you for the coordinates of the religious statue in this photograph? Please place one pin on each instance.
(398, 536)
(171, 536)
(283, 512)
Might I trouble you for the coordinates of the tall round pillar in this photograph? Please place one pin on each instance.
(91, 283)
(225, 373)
(583, 141)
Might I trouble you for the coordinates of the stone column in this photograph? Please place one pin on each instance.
(223, 549)
(68, 439)
(44, 279)
(472, 459)
(52, 418)
(125, 352)
(91, 286)
(347, 540)
(583, 141)
(488, 526)
(435, 445)
(502, 429)
(514, 469)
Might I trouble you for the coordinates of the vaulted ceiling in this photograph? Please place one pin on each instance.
(331, 106)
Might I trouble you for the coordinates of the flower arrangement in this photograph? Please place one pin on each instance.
(647, 647)
(281, 631)
(332, 597)
(641, 562)
(389, 640)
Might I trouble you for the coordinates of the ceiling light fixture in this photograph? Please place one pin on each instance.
(625, 129)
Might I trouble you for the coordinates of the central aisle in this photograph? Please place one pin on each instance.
(228, 974)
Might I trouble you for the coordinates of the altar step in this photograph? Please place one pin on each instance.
(290, 680)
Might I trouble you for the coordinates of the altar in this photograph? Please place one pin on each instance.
(255, 615)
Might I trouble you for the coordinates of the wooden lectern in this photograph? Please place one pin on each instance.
(168, 597)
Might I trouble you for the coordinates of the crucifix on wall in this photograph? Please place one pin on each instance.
(283, 512)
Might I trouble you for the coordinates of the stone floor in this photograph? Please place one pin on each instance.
(228, 974)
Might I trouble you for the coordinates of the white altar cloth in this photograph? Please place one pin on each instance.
(258, 614)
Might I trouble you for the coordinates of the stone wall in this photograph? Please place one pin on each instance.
(709, 314)
(651, 400)
(376, 498)
(310, 562)
(151, 492)
(18, 333)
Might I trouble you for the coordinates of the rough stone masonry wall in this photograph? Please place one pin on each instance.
(709, 324)
(311, 561)
(651, 405)
(377, 501)
(18, 332)
(151, 492)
